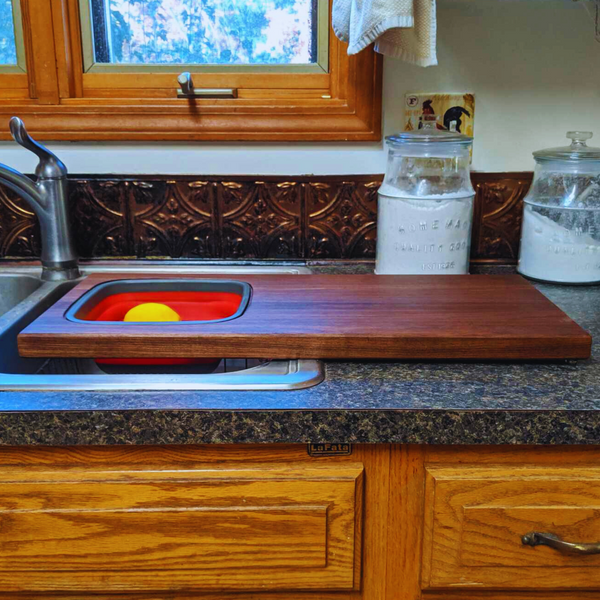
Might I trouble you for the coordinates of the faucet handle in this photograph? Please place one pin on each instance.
(50, 166)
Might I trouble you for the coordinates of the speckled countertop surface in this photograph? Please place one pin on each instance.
(369, 402)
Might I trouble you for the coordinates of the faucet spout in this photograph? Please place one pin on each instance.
(23, 186)
(47, 198)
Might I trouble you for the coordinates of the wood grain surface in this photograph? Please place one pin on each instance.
(458, 511)
(230, 528)
(284, 463)
(475, 518)
(342, 101)
(337, 317)
(405, 522)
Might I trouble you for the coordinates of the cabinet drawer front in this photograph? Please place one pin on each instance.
(219, 529)
(476, 519)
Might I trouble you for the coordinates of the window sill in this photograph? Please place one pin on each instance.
(351, 114)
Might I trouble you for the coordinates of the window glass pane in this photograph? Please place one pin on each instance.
(236, 32)
(8, 46)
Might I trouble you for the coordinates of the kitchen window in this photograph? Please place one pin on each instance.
(13, 80)
(259, 70)
(11, 37)
(140, 35)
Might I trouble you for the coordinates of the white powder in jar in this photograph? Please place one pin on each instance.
(426, 235)
(550, 252)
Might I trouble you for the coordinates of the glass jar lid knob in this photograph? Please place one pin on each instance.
(579, 138)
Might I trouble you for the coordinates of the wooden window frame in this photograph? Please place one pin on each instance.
(58, 101)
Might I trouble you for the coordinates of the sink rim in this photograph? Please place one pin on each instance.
(274, 375)
(302, 374)
(166, 266)
(20, 274)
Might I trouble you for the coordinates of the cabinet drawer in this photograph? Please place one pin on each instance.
(220, 528)
(475, 520)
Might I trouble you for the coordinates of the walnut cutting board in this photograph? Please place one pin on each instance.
(336, 316)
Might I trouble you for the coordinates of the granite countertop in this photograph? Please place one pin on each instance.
(360, 402)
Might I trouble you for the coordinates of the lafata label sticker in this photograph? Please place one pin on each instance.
(329, 449)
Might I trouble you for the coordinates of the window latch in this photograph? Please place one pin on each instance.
(187, 89)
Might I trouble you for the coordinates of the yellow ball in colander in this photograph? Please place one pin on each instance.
(151, 311)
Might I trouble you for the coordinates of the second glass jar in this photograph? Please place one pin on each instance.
(425, 204)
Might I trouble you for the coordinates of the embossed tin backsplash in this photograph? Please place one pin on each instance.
(248, 217)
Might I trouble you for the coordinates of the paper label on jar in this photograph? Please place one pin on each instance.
(550, 252)
(424, 236)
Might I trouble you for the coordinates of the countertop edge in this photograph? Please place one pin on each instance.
(430, 426)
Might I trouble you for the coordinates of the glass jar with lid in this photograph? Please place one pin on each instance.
(560, 238)
(425, 204)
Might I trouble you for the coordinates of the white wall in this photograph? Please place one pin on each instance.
(533, 65)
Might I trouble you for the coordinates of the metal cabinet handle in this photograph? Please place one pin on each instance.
(534, 538)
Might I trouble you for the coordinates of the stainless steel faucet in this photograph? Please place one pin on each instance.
(47, 198)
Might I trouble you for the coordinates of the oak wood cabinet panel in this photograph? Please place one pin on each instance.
(476, 517)
(456, 515)
(264, 526)
(175, 523)
(435, 523)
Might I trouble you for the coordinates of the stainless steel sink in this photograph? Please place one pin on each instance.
(14, 289)
(27, 297)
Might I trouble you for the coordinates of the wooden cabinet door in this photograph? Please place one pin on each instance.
(219, 528)
(476, 517)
